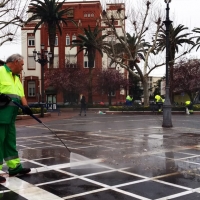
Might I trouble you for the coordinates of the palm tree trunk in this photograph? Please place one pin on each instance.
(52, 38)
(110, 98)
(171, 75)
(145, 91)
(90, 100)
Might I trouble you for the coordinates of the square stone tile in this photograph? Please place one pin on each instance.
(194, 160)
(59, 152)
(2, 188)
(114, 178)
(152, 166)
(85, 169)
(192, 196)
(11, 196)
(54, 161)
(69, 187)
(151, 189)
(105, 195)
(42, 177)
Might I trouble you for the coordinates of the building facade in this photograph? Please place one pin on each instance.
(84, 14)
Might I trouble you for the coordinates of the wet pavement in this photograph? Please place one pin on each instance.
(113, 157)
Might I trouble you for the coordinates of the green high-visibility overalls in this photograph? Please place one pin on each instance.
(12, 87)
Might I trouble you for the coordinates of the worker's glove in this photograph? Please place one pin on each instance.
(5, 98)
(27, 110)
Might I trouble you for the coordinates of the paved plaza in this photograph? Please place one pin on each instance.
(115, 157)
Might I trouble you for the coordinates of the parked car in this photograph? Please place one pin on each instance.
(37, 105)
(138, 102)
(70, 103)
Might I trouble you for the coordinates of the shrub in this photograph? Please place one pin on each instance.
(148, 108)
(34, 110)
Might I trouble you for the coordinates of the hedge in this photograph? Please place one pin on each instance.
(34, 110)
(148, 108)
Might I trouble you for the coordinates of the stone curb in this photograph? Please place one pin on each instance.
(148, 112)
(19, 117)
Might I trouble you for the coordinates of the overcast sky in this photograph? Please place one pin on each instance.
(185, 12)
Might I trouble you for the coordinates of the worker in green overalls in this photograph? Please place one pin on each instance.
(159, 102)
(188, 107)
(11, 89)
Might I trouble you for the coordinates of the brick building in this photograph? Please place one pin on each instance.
(84, 14)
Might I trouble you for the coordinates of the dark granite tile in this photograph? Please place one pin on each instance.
(194, 160)
(105, 195)
(85, 169)
(42, 177)
(2, 188)
(45, 152)
(152, 166)
(11, 196)
(183, 179)
(114, 178)
(54, 161)
(70, 187)
(151, 189)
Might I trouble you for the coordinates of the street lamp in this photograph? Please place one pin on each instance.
(167, 121)
(42, 59)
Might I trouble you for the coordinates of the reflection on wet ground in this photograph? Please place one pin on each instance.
(144, 162)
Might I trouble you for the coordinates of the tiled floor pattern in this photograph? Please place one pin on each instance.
(147, 166)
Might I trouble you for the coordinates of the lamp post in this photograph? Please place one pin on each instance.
(167, 121)
(42, 59)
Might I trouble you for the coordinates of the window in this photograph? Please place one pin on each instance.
(56, 62)
(67, 40)
(111, 39)
(31, 41)
(56, 41)
(31, 62)
(71, 61)
(73, 38)
(110, 64)
(92, 15)
(112, 93)
(85, 15)
(31, 88)
(85, 62)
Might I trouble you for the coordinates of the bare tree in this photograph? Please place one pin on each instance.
(128, 50)
(138, 53)
(12, 14)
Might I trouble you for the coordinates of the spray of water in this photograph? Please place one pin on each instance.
(78, 161)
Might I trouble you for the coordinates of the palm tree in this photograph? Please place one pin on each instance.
(90, 42)
(136, 48)
(50, 13)
(197, 43)
(177, 38)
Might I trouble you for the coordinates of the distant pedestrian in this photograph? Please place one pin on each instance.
(83, 105)
(188, 107)
(159, 102)
(129, 100)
